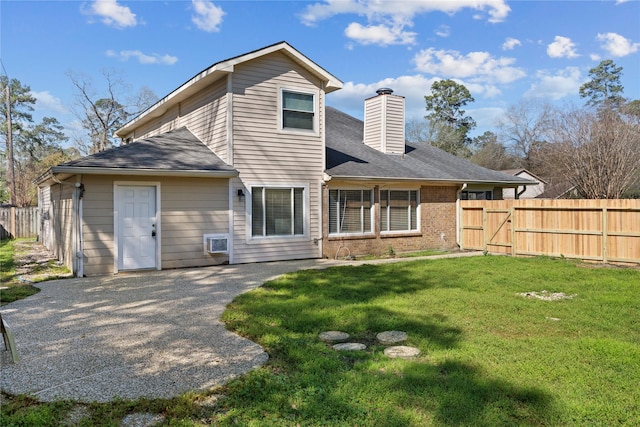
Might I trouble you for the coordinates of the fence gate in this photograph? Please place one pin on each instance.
(498, 230)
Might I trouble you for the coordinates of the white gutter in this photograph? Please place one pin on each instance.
(458, 213)
(77, 266)
(143, 172)
(432, 181)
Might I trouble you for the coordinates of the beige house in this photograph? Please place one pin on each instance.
(245, 163)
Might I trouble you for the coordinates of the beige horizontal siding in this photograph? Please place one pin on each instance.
(190, 208)
(265, 155)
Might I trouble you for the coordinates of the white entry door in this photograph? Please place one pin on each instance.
(137, 229)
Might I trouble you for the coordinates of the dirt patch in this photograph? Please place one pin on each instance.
(33, 262)
(546, 295)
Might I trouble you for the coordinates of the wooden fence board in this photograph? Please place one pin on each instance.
(19, 222)
(601, 230)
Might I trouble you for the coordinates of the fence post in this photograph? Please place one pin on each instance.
(12, 222)
(605, 235)
(512, 213)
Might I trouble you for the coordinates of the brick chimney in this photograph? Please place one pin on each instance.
(384, 122)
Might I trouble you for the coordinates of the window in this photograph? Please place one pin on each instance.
(398, 210)
(277, 211)
(298, 110)
(350, 211)
(476, 195)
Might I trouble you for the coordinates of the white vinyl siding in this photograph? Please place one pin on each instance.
(398, 210)
(350, 211)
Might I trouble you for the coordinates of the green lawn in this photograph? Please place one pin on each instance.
(15, 289)
(490, 357)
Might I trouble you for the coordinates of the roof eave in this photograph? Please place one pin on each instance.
(329, 177)
(221, 69)
(193, 173)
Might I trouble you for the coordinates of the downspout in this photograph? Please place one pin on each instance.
(458, 214)
(518, 194)
(76, 224)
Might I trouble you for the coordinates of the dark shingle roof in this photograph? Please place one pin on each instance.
(349, 157)
(177, 150)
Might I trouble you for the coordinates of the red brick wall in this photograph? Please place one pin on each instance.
(437, 228)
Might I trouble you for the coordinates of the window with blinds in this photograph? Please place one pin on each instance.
(277, 211)
(350, 211)
(298, 110)
(398, 210)
(476, 195)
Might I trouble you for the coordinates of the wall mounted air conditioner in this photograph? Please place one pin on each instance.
(216, 243)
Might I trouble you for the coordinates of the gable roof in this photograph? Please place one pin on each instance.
(174, 153)
(519, 172)
(349, 158)
(222, 68)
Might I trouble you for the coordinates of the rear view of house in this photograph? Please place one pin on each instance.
(245, 163)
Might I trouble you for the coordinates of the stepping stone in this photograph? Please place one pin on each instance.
(142, 419)
(333, 336)
(349, 346)
(391, 337)
(401, 352)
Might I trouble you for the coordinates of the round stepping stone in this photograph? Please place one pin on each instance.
(349, 346)
(391, 337)
(333, 336)
(401, 352)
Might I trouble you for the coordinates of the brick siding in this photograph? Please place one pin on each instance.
(437, 228)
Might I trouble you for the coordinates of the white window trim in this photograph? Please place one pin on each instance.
(371, 213)
(316, 110)
(251, 239)
(389, 232)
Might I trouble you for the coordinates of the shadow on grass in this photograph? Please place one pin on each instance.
(307, 381)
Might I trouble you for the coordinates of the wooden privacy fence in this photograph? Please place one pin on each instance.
(598, 230)
(19, 222)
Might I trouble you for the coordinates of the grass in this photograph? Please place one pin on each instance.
(17, 289)
(490, 357)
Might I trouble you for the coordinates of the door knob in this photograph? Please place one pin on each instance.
(153, 233)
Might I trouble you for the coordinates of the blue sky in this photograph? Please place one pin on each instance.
(502, 51)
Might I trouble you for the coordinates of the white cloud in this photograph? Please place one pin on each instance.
(595, 57)
(562, 47)
(479, 66)
(379, 34)
(617, 45)
(443, 31)
(510, 43)
(143, 58)
(563, 83)
(46, 101)
(113, 14)
(386, 18)
(208, 16)
(350, 98)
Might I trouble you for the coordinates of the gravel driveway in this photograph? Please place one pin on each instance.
(151, 334)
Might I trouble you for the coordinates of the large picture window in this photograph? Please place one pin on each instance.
(277, 211)
(350, 211)
(298, 110)
(398, 210)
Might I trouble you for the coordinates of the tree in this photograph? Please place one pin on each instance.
(101, 115)
(32, 143)
(447, 121)
(492, 154)
(604, 88)
(598, 152)
(525, 127)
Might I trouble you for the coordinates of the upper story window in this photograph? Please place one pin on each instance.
(298, 110)
(398, 210)
(476, 195)
(350, 211)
